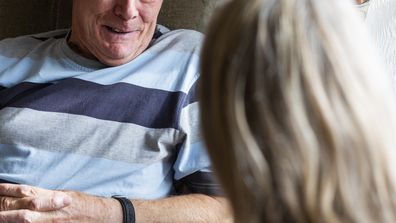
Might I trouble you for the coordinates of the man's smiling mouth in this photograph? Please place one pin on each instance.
(117, 31)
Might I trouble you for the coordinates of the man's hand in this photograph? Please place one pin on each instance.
(22, 203)
(16, 197)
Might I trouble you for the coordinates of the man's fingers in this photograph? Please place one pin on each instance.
(16, 190)
(33, 203)
(20, 216)
(15, 197)
(20, 190)
(43, 203)
(23, 216)
(7, 203)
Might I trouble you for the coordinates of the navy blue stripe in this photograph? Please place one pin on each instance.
(200, 182)
(60, 36)
(192, 95)
(157, 34)
(12, 95)
(6, 182)
(119, 102)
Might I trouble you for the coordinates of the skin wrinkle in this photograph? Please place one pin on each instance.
(94, 39)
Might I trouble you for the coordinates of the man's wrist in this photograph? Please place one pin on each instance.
(128, 209)
(88, 208)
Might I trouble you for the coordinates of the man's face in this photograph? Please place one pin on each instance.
(113, 31)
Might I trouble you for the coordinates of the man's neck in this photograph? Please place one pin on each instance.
(78, 49)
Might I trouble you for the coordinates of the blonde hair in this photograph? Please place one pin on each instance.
(297, 115)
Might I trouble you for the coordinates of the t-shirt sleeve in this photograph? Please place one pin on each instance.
(192, 167)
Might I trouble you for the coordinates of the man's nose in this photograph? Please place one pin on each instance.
(126, 9)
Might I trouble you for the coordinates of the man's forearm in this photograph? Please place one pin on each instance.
(22, 203)
(184, 208)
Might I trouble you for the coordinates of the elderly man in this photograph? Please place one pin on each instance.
(107, 108)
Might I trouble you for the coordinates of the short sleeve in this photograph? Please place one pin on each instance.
(192, 167)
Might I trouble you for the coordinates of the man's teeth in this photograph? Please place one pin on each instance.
(116, 30)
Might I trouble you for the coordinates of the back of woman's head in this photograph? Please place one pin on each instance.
(297, 113)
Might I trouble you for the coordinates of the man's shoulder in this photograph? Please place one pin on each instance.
(186, 33)
(180, 40)
(55, 34)
(29, 42)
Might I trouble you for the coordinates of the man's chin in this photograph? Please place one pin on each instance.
(115, 62)
(116, 59)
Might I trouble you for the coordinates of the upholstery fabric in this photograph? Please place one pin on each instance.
(19, 17)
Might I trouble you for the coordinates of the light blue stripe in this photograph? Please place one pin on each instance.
(192, 158)
(60, 132)
(95, 176)
(171, 65)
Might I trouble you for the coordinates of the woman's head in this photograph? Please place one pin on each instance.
(295, 113)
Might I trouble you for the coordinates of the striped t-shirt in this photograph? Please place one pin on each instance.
(67, 122)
